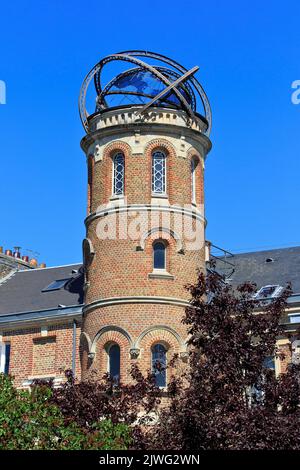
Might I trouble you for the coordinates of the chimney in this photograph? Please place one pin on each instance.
(33, 262)
(1, 249)
(17, 253)
(25, 258)
(8, 252)
(42, 265)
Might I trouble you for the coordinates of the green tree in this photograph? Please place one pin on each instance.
(29, 421)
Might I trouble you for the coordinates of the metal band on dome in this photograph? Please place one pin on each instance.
(172, 73)
(187, 85)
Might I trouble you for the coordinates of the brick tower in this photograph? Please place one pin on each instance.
(145, 146)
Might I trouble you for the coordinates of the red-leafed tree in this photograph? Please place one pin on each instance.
(227, 398)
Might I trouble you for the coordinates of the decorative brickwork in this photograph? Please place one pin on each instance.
(33, 355)
(129, 302)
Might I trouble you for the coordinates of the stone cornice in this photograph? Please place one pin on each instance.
(164, 130)
(146, 208)
(109, 301)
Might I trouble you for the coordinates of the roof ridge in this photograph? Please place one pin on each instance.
(8, 276)
(265, 251)
(50, 267)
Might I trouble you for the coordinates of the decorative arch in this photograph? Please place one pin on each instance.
(109, 329)
(85, 337)
(153, 230)
(160, 144)
(164, 333)
(117, 146)
(109, 152)
(88, 251)
(193, 154)
(85, 350)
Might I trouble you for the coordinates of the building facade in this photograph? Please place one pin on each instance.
(145, 147)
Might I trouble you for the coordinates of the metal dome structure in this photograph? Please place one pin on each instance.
(163, 84)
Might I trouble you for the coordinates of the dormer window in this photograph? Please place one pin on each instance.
(56, 285)
(267, 292)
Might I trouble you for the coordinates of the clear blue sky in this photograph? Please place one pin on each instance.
(248, 53)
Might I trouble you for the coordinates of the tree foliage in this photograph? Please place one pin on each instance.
(92, 401)
(227, 398)
(31, 421)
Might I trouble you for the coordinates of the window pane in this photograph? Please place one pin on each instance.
(119, 174)
(193, 179)
(7, 358)
(159, 256)
(56, 285)
(114, 362)
(158, 173)
(269, 362)
(159, 362)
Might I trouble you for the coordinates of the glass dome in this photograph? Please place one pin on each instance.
(137, 86)
(142, 79)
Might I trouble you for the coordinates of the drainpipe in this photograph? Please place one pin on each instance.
(74, 349)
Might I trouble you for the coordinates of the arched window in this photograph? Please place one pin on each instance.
(159, 363)
(118, 174)
(159, 255)
(158, 172)
(114, 362)
(90, 182)
(193, 179)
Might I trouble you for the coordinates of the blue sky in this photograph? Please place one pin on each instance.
(248, 53)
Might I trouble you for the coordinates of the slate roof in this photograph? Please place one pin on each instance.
(22, 292)
(253, 267)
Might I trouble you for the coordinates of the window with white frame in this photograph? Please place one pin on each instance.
(158, 172)
(118, 174)
(4, 357)
(268, 292)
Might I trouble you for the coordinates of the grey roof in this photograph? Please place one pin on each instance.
(253, 267)
(22, 292)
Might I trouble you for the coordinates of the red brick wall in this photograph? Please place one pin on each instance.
(120, 268)
(35, 355)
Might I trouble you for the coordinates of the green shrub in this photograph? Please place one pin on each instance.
(28, 421)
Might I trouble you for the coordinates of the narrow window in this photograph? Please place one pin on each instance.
(159, 255)
(158, 173)
(4, 357)
(118, 174)
(159, 363)
(193, 179)
(90, 183)
(114, 362)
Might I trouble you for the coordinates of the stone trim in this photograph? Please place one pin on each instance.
(135, 300)
(159, 328)
(114, 147)
(158, 144)
(146, 208)
(158, 230)
(107, 329)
